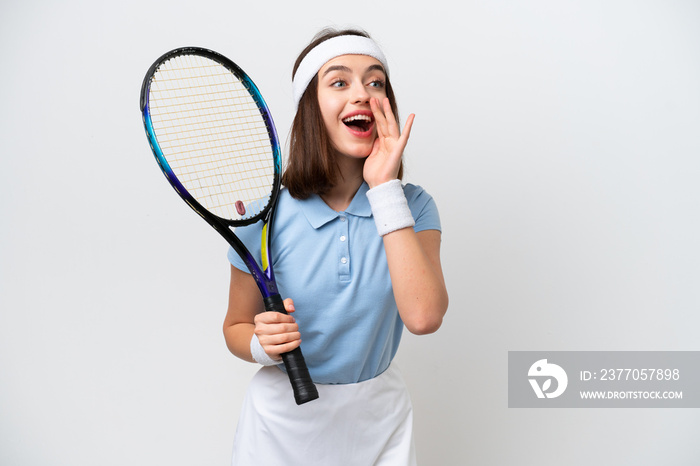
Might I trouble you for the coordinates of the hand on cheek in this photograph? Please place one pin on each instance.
(384, 161)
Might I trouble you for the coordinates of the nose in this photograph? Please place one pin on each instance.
(359, 93)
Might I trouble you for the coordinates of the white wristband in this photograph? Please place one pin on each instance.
(259, 354)
(389, 207)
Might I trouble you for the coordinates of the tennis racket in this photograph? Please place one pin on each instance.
(213, 137)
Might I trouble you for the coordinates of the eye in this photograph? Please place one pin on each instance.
(378, 83)
(338, 83)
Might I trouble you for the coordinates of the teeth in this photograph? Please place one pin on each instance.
(356, 118)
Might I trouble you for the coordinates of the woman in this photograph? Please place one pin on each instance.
(358, 256)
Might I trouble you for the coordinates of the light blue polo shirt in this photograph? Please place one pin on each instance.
(333, 265)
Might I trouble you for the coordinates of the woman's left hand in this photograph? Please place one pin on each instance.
(384, 161)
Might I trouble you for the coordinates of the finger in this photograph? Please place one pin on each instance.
(276, 351)
(289, 305)
(269, 318)
(375, 147)
(277, 344)
(275, 329)
(393, 127)
(407, 128)
(271, 324)
(278, 339)
(379, 118)
(389, 125)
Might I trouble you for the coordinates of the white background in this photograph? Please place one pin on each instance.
(559, 139)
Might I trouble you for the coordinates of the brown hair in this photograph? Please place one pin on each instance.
(311, 166)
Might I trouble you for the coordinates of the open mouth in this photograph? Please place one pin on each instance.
(359, 123)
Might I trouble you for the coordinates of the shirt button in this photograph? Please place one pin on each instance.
(342, 219)
(344, 260)
(342, 238)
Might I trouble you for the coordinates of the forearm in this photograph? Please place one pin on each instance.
(238, 338)
(244, 304)
(275, 332)
(417, 279)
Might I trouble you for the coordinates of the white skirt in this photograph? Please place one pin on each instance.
(364, 424)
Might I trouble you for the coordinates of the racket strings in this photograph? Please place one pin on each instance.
(212, 134)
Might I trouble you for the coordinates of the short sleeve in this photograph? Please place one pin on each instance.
(423, 208)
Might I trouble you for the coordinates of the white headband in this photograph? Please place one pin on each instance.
(327, 50)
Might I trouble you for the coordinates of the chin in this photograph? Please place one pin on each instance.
(357, 154)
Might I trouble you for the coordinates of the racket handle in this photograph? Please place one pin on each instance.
(302, 385)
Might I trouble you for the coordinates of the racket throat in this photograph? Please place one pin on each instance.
(264, 243)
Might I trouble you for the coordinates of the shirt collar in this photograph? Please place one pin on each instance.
(318, 213)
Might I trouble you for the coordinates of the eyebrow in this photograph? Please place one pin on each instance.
(345, 69)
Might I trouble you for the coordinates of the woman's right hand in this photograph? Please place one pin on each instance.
(278, 333)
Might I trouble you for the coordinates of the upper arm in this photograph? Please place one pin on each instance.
(243, 298)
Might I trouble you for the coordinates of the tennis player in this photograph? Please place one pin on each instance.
(358, 255)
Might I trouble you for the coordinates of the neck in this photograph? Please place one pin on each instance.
(340, 196)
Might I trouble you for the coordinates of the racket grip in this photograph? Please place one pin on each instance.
(302, 385)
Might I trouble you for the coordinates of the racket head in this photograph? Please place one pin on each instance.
(212, 134)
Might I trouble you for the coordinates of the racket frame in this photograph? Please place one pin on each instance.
(264, 277)
(302, 385)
